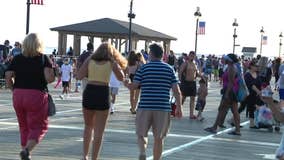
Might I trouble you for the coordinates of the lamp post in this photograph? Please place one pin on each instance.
(130, 16)
(235, 25)
(261, 39)
(197, 14)
(280, 43)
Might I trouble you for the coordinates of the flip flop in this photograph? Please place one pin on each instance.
(234, 133)
(210, 130)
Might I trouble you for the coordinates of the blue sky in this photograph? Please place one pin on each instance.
(174, 18)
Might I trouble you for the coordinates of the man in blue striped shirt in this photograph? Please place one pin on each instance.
(156, 79)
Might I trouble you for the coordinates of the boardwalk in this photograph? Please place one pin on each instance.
(186, 141)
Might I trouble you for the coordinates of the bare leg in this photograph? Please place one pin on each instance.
(222, 112)
(158, 148)
(99, 128)
(236, 117)
(142, 144)
(191, 107)
(136, 97)
(89, 125)
(132, 94)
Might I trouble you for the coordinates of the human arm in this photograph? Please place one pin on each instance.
(9, 77)
(48, 70)
(118, 72)
(182, 70)
(231, 77)
(83, 70)
(177, 94)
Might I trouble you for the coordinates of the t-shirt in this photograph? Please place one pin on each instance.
(113, 81)
(66, 69)
(29, 71)
(82, 58)
(156, 79)
(16, 51)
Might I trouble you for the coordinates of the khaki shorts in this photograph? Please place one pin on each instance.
(158, 120)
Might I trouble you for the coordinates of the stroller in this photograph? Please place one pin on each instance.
(263, 118)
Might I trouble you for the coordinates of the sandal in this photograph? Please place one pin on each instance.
(210, 130)
(222, 126)
(234, 133)
(25, 155)
(253, 127)
(193, 117)
(133, 111)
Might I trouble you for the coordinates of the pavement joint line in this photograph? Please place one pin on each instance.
(198, 140)
(190, 144)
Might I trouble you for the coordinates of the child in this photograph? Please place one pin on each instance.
(66, 70)
(114, 87)
(202, 92)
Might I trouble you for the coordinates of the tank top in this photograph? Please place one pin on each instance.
(226, 81)
(99, 72)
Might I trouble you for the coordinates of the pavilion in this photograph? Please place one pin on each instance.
(112, 30)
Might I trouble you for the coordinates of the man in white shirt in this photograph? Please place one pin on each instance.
(66, 71)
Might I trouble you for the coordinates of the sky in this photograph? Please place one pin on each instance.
(172, 17)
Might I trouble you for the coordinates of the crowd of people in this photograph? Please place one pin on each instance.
(152, 79)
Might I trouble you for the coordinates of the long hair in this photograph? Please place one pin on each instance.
(141, 58)
(32, 45)
(132, 58)
(106, 52)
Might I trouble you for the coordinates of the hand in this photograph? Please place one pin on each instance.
(126, 82)
(178, 112)
(268, 100)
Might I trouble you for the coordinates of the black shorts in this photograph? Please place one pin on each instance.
(188, 88)
(131, 77)
(65, 84)
(96, 97)
(200, 104)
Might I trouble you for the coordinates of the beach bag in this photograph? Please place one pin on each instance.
(173, 106)
(263, 117)
(243, 91)
(51, 106)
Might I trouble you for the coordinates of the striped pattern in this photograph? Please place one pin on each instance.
(38, 2)
(156, 79)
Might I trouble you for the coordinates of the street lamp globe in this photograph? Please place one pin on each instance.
(197, 13)
(235, 24)
(262, 31)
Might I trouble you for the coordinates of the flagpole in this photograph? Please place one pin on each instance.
(197, 14)
(28, 16)
(235, 25)
(261, 39)
(131, 16)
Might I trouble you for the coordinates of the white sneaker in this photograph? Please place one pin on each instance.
(111, 108)
(61, 96)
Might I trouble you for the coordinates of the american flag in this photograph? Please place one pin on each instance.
(38, 2)
(201, 28)
(264, 40)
